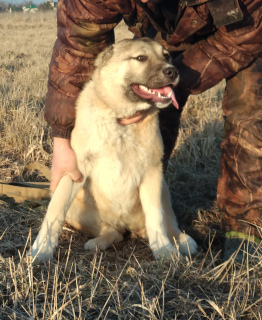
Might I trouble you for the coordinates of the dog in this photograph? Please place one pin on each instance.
(119, 150)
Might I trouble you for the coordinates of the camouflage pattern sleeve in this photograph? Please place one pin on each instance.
(230, 49)
(84, 29)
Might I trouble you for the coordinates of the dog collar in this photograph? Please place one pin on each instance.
(137, 117)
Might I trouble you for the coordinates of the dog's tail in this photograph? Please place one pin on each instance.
(52, 225)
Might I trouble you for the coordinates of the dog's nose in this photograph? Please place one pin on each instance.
(171, 72)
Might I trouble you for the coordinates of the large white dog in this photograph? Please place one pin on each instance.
(123, 188)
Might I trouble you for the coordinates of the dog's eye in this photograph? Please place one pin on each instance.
(141, 58)
(167, 57)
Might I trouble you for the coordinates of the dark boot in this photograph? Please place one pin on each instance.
(241, 247)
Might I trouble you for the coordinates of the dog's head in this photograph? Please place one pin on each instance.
(134, 75)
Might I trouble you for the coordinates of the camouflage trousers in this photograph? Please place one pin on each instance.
(239, 190)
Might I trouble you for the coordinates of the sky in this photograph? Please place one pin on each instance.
(37, 2)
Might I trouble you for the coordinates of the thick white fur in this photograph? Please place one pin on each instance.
(123, 188)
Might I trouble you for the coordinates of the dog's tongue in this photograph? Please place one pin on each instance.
(168, 92)
(162, 94)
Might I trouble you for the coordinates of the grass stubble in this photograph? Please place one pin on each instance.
(124, 282)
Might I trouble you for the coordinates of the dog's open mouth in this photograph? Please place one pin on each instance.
(162, 94)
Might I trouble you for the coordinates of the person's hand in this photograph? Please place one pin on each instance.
(64, 162)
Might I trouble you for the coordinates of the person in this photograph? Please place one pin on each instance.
(210, 40)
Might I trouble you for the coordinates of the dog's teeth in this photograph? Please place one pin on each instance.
(143, 88)
(158, 94)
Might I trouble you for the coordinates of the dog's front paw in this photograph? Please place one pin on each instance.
(41, 251)
(39, 255)
(187, 245)
(164, 251)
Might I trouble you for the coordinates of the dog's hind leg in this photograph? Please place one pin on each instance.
(186, 244)
(51, 228)
(108, 236)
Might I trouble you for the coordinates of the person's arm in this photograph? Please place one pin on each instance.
(85, 28)
(229, 50)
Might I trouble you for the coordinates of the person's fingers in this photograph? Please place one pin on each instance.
(76, 176)
(54, 183)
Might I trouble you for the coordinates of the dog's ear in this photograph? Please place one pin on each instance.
(104, 56)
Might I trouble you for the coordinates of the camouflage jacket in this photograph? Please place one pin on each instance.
(214, 40)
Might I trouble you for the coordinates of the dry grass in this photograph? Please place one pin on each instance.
(124, 282)
(26, 44)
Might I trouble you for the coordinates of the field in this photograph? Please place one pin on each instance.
(125, 282)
